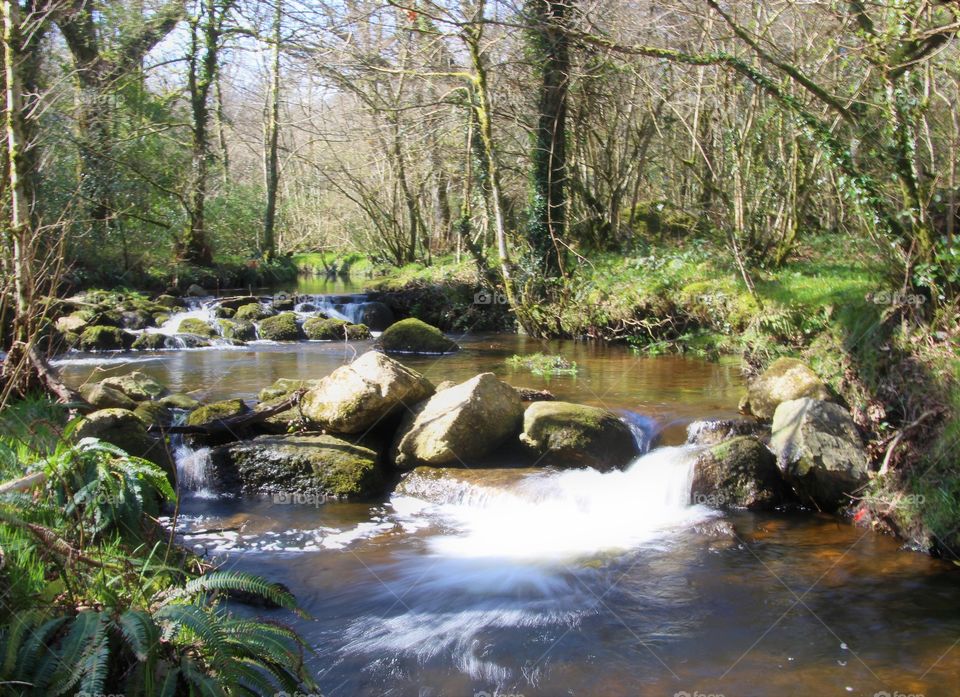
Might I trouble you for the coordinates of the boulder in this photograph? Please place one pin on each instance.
(192, 325)
(191, 341)
(137, 319)
(223, 312)
(573, 435)
(819, 451)
(239, 301)
(413, 336)
(103, 338)
(281, 387)
(784, 380)
(151, 342)
(283, 303)
(178, 400)
(136, 385)
(301, 467)
(251, 312)
(106, 397)
(126, 430)
(532, 394)
(714, 431)
(318, 328)
(154, 413)
(71, 324)
(167, 301)
(195, 291)
(459, 424)
(282, 327)
(355, 397)
(738, 473)
(217, 411)
(240, 331)
(376, 315)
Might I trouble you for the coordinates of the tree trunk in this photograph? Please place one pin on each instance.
(271, 159)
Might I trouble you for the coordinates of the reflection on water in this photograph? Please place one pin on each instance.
(575, 583)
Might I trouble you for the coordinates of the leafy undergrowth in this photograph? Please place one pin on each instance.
(543, 364)
(97, 600)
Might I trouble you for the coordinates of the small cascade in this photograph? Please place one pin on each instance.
(346, 307)
(556, 516)
(192, 463)
(205, 312)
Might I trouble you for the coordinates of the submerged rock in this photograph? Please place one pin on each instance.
(459, 424)
(413, 336)
(355, 397)
(784, 380)
(297, 466)
(319, 328)
(738, 473)
(282, 327)
(819, 451)
(574, 435)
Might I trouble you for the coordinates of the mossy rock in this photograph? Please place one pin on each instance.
(106, 397)
(161, 318)
(71, 324)
(318, 328)
(237, 302)
(154, 413)
(282, 387)
(239, 331)
(224, 312)
(137, 319)
(167, 301)
(738, 473)
(108, 318)
(251, 312)
(104, 338)
(137, 386)
(282, 327)
(192, 325)
(150, 342)
(217, 411)
(785, 380)
(414, 336)
(178, 400)
(305, 467)
(283, 304)
(124, 429)
(574, 435)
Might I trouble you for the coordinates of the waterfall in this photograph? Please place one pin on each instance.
(560, 515)
(346, 307)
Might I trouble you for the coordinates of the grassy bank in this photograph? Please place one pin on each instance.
(883, 354)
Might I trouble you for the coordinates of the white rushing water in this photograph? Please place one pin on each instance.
(557, 516)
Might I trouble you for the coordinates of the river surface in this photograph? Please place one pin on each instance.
(574, 583)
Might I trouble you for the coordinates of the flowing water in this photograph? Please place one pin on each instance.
(569, 583)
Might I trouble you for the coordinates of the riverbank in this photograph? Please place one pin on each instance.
(886, 356)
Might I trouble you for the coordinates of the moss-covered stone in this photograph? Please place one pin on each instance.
(786, 379)
(178, 400)
(413, 336)
(167, 301)
(154, 413)
(71, 324)
(320, 328)
(216, 411)
(103, 338)
(239, 331)
(224, 312)
(574, 435)
(239, 301)
(738, 473)
(137, 386)
(161, 318)
(251, 312)
(150, 342)
(282, 387)
(106, 397)
(127, 431)
(137, 319)
(304, 467)
(192, 325)
(282, 327)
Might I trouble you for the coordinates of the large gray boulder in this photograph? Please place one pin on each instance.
(414, 336)
(819, 451)
(786, 379)
(738, 473)
(105, 397)
(574, 435)
(300, 467)
(138, 386)
(355, 397)
(459, 424)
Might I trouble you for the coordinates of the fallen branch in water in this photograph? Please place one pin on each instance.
(221, 426)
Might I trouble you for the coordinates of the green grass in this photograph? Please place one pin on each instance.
(543, 364)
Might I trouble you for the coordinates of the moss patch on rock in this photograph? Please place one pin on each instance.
(414, 336)
(319, 328)
(192, 325)
(217, 411)
(282, 327)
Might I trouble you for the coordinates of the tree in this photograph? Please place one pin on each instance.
(271, 166)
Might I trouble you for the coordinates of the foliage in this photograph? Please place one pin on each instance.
(542, 364)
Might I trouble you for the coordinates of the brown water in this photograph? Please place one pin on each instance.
(499, 593)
